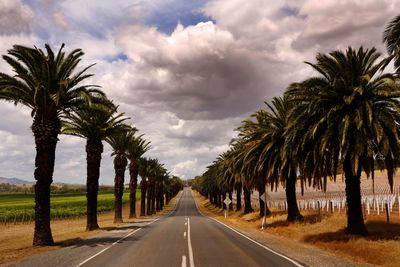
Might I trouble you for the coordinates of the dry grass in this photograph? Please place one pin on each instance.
(16, 240)
(325, 231)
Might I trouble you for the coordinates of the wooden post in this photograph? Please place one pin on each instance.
(387, 213)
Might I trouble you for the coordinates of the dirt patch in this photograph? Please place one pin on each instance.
(324, 232)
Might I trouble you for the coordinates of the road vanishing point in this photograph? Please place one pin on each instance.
(184, 238)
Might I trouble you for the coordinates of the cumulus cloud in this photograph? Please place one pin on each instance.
(198, 72)
(15, 17)
(337, 24)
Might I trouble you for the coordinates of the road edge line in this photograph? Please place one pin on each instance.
(247, 237)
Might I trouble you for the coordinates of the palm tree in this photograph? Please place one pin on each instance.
(236, 173)
(136, 148)
(209, 185)
(143, 170)
(391, 38)
(265, 139)
(344, 117)
(153, 169)
(94, 123)
(163, 184)
(47, 84)
(119, 143)
(161, 174)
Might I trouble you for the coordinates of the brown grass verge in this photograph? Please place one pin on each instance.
(325, 231)
(16, 239)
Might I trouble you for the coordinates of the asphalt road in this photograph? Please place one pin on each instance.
(184, 238)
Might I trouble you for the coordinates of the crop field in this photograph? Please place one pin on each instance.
(20, 207)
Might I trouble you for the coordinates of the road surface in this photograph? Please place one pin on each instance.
(185, 238)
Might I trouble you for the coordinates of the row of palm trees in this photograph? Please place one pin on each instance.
(52, 87)
(345, 120)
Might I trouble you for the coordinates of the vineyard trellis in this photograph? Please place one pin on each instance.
(373, 202)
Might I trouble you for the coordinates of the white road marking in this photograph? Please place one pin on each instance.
(183, 261)
(191, 261)
(248, 238)
(184, 234)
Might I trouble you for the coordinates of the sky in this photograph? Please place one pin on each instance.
(185, 72)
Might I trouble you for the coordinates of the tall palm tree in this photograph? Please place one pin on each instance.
(345, 116)
(119, 143)
(158, 189)
(391, 38)
(50, 87)
(143, 170)
(162, 192)
(153, 169)
(95, 123)
(254, 140)
(137, 146)
(209, 184)
(264, 138)
(236, 172)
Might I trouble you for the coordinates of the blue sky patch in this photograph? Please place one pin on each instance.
(120, 56)
(166, 17)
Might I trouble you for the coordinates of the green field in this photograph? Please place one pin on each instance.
(20, 207)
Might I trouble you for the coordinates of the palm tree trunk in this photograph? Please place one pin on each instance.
(157, 197)
(219, 200)
(133, 172)
(238, 196)
(120, 163)
(215, 199)
(293, 209)
(45, 133)
(162, 196)
(149, 197)
(94, 148)
(143, 188)
(264, 210)
(153, 199)
(247, 200)
(166, 198)
(355, 219)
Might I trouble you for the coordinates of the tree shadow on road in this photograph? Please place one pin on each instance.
(100, 240)
(94, 241)
(121, 227)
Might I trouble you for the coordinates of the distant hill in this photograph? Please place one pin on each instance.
(4, 180)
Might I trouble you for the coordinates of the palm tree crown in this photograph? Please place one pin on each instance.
(46, 82)
(391, 38)
(95, 121)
